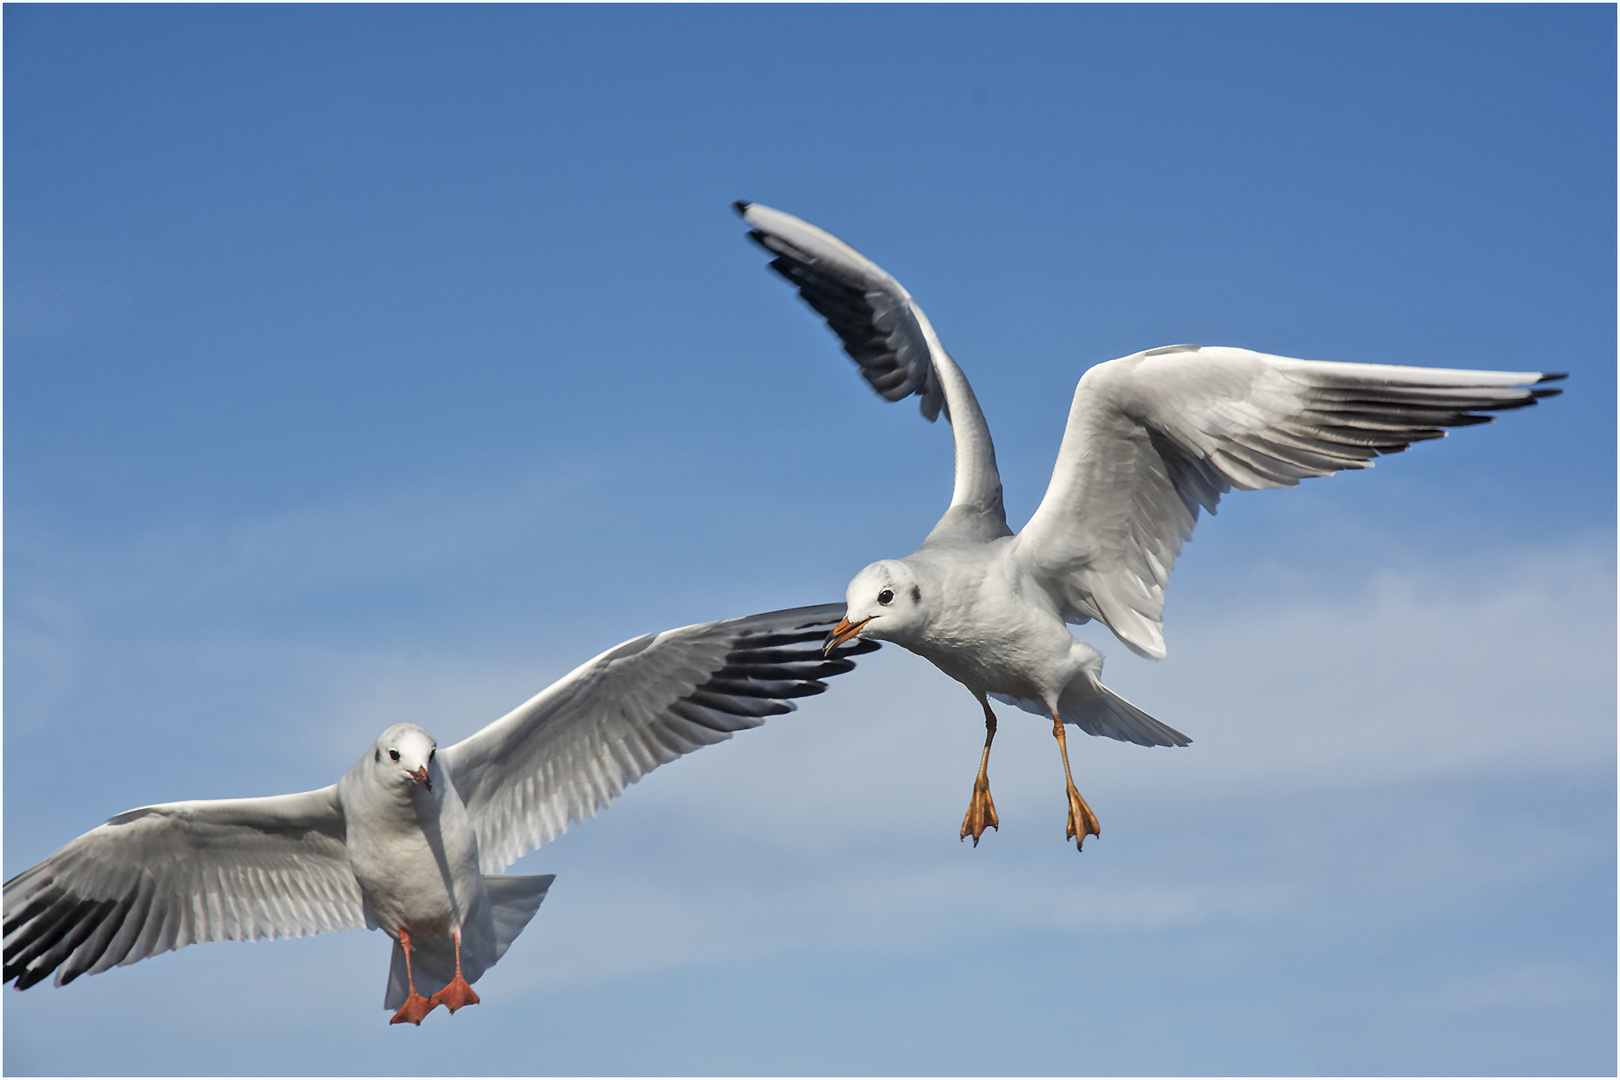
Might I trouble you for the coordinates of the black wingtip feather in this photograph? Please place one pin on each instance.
(740, 206)
(41, 903)
(76, 919)
(25, 979)
(1522, 403)
(1553, 376)
(737, 706)
(805, 636)
(96, 943)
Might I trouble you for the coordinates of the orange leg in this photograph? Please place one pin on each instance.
(459, 992)
(416, 1006)
(981, 813)
(1082, 822)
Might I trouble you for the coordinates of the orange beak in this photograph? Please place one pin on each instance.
(842, 633)
(420, 775)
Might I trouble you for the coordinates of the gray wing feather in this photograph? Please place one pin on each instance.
(573, 748)
(891, 340)
(167, 876)
(873, 316)
(1156, 437)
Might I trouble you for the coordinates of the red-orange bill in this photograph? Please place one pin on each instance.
(843, 632)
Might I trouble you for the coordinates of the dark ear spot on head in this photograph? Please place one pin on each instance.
(916, 595)
(378, 755)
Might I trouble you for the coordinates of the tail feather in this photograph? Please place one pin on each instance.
(1097, 710)
(515, 899)
(427, 984)
(1093, 708)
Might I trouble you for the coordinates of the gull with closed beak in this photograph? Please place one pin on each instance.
(410, 839)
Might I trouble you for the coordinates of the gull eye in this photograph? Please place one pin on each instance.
(435, 750)
(886, 597)
(394, 754)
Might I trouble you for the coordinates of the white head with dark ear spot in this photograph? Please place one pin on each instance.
(405, 756)
(886, 602)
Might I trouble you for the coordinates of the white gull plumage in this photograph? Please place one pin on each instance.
(411, 838)
(1152, 439)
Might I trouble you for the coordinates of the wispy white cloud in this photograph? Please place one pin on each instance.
(836, 827)
(1501, 664)
(402, 533)
(1343, 741)
(1424, 673)
(1529, 986)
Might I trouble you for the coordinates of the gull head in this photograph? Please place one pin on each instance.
(404, 755)
(885, 602)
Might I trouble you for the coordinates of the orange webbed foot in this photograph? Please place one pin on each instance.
(455, 995)
(1082, 822)
(981, 813)
(415, 1009)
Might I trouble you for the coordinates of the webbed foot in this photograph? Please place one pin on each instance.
(1082, 822)
(455, 995)
(981, 814)
(415, 1009)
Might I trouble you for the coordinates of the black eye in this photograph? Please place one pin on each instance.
(435, 750)
(886, 597)
(394, 754)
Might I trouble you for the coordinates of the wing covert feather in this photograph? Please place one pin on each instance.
(163, 877)
(1154, 438)
(569, 751)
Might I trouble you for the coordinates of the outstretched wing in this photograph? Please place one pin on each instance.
(569, 751)
(889, 337)
(164, 877)
(1155, 437)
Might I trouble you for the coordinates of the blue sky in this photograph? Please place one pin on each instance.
(368, 364)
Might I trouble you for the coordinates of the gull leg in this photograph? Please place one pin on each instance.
(981, 813)
(1082, 822)
(416, 1006)
(459, 992)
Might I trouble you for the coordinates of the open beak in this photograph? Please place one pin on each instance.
(842, 633)
(420, 775)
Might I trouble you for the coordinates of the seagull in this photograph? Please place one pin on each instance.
(410, 840)
(1152, 439)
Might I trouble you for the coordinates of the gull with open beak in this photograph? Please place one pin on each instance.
(1152, 439)
(411, 838)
